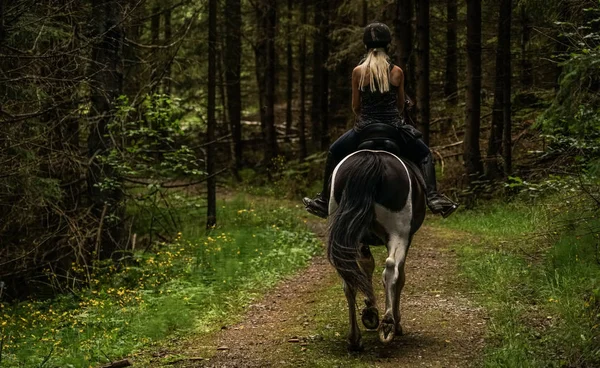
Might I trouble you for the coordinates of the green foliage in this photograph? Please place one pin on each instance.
(542, 298)
(188, 285)
(575, 111)
(287, 179)
(553, 184)
(149, 147)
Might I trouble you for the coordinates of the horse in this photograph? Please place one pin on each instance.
(376, 198)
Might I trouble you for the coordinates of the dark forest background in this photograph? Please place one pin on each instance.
(106, 105)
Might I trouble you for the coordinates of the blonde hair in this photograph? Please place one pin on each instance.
(377, 65)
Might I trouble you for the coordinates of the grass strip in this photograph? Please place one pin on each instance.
(192, 285)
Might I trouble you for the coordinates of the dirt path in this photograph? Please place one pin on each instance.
(303, 321)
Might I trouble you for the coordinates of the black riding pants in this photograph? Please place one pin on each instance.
(413, 149)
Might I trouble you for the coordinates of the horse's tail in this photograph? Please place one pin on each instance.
(354, 216)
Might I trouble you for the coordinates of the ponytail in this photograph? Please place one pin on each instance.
(377, 65)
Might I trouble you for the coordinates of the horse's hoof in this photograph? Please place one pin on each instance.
(355, 346)
(386, 331)
(399, 331)
(370, 318)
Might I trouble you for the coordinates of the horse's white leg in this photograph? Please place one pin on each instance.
(370, 315)
(396, 305)
(393, 279)
(354, 337)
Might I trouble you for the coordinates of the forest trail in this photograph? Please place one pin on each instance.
(302, 322)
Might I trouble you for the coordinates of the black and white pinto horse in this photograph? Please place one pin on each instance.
(376, 198)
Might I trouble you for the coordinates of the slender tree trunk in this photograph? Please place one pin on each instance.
(526, 67)
(472, 154)
(403, 35)
(133, 88)
(290, 72)
(493, 170)
(155, 36)
(233, 24)
(2, 27)
(507, 134)
(365, 13)
(451, 76)
(317, 84)
(324, 116)
(211, 213)
(302, 62)
(270, 78)
(107, 86)
(423, 68)
(260, 55)
(223, 113)
(168, 39)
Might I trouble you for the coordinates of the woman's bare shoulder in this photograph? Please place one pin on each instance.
(397, 70)
(397, 75)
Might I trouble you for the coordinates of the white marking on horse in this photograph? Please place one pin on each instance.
(332, 202)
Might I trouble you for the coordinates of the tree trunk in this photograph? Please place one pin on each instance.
(324, 116)
(423, 68)
(132, 55)
(290, 72)
(365, 13)
(451, 76)
(106, 87)
(526, 67)
(318, 83)
(302, 62)
(270, 78)
(233, 24)
(403, 33)
(211, 183)
(472, 154)
(2, 30)
(507, 134)
(155, 36)
(493, 170)
(168, 39)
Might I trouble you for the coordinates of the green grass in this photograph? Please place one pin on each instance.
(542, 292)
(194, 284)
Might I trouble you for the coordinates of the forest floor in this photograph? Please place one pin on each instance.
(303, 321)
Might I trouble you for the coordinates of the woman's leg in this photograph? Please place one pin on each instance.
(418, 152)
(437, 203)
(342, 147)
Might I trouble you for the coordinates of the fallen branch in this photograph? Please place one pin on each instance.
(167, 186)
(447, 146)
(441, 159)
(119, 364)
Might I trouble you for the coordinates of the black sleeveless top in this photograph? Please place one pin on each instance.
(378, 107)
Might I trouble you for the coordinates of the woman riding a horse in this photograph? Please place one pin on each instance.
(378, 99)
(376, 195)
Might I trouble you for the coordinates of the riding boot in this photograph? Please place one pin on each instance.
(437, 203)
(319, 206)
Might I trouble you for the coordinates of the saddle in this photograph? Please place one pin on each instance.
(380, 137)
(384, 137)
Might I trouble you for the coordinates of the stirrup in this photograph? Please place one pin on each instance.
(313, 208)
(440, 208)
(448, 211)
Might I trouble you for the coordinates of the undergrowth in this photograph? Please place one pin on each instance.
(537, 268)
(193, 284)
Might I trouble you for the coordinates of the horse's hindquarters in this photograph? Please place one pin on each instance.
(373, 192)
